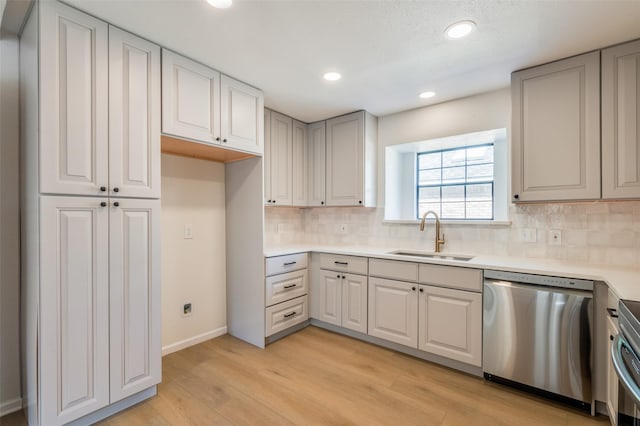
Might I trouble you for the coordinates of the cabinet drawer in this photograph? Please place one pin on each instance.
(394, 269)
(286, 286)
(286, 314)
(336, 262)
(286, 263)
(451, 276)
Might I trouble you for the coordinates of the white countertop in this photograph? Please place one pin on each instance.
(625, 282)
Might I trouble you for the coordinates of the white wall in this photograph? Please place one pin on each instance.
(9, 226)
(491, 110)
(193, 270)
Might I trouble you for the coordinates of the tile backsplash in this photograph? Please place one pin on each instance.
(595, 232)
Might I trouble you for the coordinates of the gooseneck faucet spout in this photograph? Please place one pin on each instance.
(439, 240)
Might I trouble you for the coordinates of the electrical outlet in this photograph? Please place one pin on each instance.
(186, 310)
(280, 228)
(343, 228)
(188, 231)
(555, 237)
(528, 235)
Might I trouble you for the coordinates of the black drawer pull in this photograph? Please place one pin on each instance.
(290, 286)
(290, 263)
(290, 314)
(341, 263)
(613, 313)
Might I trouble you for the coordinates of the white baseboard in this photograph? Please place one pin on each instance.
(174, 347)
(10, 406)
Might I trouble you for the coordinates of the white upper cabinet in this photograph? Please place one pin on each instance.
(190, 99)
(73, 101)
(280, 151)
(556, 130)
(621, 121)
(134, 116)
(299, 164)
(200, 104)
(316, 154)
(241, 112)
(134, 303)
(351, 160)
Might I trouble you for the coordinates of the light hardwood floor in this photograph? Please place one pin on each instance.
(317, 377)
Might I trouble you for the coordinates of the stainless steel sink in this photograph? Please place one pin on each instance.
(431, 255)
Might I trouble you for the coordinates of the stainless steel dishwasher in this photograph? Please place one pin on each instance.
(537, 334)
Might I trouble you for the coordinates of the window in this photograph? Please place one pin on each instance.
(460, 177)
(456, 183)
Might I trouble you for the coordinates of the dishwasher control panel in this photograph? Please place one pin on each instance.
(545, 280)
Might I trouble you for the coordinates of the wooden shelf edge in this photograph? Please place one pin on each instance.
(186, 148)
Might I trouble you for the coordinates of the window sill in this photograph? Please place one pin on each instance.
(450, 222)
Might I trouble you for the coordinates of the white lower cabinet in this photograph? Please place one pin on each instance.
(393, 311)
(342, 300)
(99, 303)
(451, 324)
(287, 314)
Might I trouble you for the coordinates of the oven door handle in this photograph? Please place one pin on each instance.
(621, 370)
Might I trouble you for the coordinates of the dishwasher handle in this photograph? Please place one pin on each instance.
(618, 345)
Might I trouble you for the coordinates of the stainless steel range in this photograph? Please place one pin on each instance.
(625, 351)
(537, 334)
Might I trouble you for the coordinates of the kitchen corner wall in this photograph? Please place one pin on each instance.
(595, 232)
(193, 270)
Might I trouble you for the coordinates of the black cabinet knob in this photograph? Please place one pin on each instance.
(103, 204)
(116, 189)
(224, 140)
(116, 204)
(274, 201)
(322, 203)
(337, 276)
(218, 138)
(103, 188)
(360, 202)
(422, 290)
(516, 196)
(413, 289)
(610, 337)
(343, 277)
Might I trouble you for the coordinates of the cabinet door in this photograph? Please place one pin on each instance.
(612, 376)
(316, 145)
(621, 121)
(134, 116)
(451, 324)
(73, 101)
(299, 164)
(354, 302)
(241, 116)
(329, 307)
(266, 159)
(281, 162)
(393, 311)
(556, 130)
(345, 160)
(74, 308)
(134, 271)
(190, 99)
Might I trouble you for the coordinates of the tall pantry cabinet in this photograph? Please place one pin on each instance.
(90, 125)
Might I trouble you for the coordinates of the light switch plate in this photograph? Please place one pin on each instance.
(555, 237)
(188, 231)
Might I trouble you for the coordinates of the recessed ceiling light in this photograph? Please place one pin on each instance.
(220, 4)
(427, 95)
(332, 76)
(460, 29)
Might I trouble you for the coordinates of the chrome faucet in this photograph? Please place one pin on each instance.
(439, 240)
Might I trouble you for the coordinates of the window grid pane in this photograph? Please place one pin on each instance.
(456, 183)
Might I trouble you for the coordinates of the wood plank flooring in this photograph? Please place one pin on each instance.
(316, 377)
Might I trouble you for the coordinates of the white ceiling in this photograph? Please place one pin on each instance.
(387, 51)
